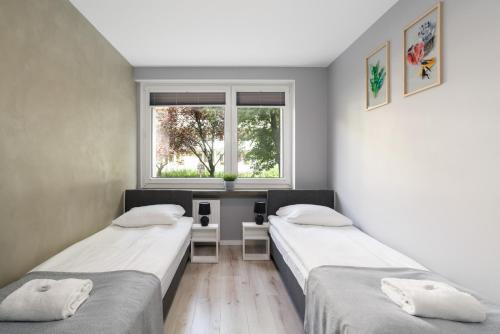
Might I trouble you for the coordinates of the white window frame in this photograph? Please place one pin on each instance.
(230, 88)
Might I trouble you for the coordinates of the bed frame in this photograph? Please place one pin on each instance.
(141, 197)
(277, 199)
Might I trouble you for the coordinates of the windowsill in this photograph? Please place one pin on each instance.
(228, 193)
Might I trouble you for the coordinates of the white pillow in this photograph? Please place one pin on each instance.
(160, 214)
(310, 214)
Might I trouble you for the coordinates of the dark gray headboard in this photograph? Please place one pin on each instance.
(142, 197)
(278, 198)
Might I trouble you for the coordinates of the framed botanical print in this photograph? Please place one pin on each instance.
(422, 52)
(377, 82)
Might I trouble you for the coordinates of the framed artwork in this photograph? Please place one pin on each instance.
(422, 52)
(377, 74)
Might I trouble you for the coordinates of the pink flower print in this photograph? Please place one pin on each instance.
(415, 53)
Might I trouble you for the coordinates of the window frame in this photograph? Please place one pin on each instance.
(230, 88)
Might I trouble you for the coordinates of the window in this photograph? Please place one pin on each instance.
(188, 134)
(192, 135)
(259, 134)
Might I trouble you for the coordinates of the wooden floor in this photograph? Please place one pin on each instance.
(233, 296)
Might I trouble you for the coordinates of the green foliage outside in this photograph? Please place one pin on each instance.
(193, 173)
(261, 128)
(270, 173)
(195, 131)
(189, 173)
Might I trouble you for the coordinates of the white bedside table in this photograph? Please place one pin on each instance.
(255, 241)
(205, 243)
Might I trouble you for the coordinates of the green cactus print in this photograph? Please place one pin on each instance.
(377, 77)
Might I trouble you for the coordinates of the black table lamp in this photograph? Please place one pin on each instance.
(204, 211)
(259, 209)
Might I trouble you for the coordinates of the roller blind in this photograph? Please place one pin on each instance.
(195, 99)
(260, 98)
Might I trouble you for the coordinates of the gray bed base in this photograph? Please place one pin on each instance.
(141, 197)
(168, 299)
(291, 284)
(277, 199)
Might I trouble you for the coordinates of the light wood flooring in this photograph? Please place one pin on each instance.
(232, 296)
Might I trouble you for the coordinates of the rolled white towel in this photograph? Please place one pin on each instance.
(432, 299)
(45, 300)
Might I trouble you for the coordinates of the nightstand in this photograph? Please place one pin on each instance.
(205, 243)
(255, 241)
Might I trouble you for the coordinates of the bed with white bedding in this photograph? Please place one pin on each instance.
(333, 273)
(154, 249)
(131, 268)
(305, 247)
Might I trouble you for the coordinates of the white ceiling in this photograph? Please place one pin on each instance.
(232, 32)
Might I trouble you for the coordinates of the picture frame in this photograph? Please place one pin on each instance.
(377, 77)
(422, 59)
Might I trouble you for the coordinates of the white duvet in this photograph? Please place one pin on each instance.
(313, 246)
(152, 249)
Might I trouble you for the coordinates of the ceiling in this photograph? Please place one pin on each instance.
(232, 32)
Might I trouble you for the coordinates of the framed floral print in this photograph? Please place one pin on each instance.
(422, 52)
(377, 77)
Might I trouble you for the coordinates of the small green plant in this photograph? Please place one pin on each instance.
(377, 78)
(230, 177)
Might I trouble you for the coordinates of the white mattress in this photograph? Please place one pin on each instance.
(305, 247)
(154, 249)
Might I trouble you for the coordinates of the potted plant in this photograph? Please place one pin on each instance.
(229, 181)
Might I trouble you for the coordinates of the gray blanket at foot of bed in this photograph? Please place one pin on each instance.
(349, 300)
(120, 302)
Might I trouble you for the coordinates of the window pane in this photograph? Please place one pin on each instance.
(259, 142)
(188, 141)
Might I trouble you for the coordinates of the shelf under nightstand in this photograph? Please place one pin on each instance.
(255, 241)
(205, 243)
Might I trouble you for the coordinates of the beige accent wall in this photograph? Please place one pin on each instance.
(67, 131)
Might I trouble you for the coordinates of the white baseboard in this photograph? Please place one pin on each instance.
(231, 242)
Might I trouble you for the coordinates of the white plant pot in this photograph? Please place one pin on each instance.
(229, 185)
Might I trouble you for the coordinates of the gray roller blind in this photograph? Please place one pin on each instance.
(190, 99)
(260, 98)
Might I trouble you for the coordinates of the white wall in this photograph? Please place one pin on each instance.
(422, 173)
